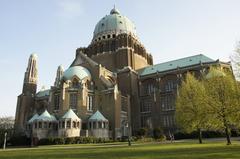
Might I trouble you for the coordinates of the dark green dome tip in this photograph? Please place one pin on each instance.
(114, 11)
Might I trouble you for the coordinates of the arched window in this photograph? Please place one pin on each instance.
(68, 124)
(74, 124)
(75, 83)
(73, 101)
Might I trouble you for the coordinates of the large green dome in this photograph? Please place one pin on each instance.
(114, 23)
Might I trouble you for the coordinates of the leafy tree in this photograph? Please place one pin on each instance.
(6, 126)
(235, 58)
(224, 108)
(191, 106)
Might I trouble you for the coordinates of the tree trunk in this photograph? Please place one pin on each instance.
(227, 136)
(200, 135)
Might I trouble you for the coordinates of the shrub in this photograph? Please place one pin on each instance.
(194, 134)
(146, 139)
(157, 133)
(142, 132)
(72, 140)
(46, 141)
(20, 140)
(59, 141)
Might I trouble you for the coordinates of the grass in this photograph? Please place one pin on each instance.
(183, 150)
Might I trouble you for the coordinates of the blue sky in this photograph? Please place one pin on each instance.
(53, 29)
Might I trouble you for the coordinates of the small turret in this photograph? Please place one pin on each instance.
(31, 73)
(58, 76)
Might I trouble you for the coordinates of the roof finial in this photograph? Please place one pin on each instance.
(114, 10)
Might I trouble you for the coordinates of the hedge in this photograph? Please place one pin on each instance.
(72, 140)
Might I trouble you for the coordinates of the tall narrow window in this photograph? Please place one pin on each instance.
(75, 84)
(89, 102)
(56, 102)
(73, 101)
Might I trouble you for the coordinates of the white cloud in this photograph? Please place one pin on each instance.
(70, 8)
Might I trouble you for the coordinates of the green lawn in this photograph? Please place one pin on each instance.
(183, 150)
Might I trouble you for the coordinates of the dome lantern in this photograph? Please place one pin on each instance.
(114, 11)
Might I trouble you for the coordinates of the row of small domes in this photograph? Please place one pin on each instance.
(46, 116)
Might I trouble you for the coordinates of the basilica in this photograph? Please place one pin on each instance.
(110, 90)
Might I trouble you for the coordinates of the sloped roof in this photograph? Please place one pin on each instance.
(179, 63)
(70, 115)
(43, 93)
(97, 116)
(45, 116)
(34, 117)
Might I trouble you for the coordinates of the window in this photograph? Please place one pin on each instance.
(167, 103)
(56, 102)
(63, 124)
(170, 85)
(89, 103)
(68, 124)
(40, 124)
(74, 124)
(146, 121)
(168, 120)
(146, 106)
(45, 125)
(75, 83)
(90, 125)
(148, 88)
(35, 125)
(94, 125)
(73, 101)
(99, 125)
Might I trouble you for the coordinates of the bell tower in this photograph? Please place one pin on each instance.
(25, 102)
